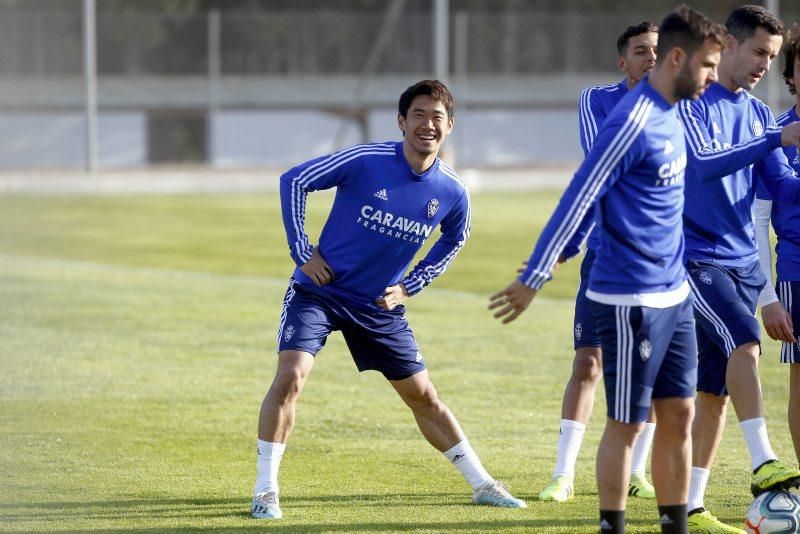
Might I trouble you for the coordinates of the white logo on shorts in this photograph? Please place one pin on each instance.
(578, 331)
(758, 128)
(705, 277)
(288, 333)
(419, 356)
(645, 349)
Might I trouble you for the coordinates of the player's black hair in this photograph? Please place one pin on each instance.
(791, 51)
(687, 29)
(633, 31)
(743, 21)
(433, 88)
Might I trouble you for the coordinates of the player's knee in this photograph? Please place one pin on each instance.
(588, 366)
(423, 399)
(288, 384)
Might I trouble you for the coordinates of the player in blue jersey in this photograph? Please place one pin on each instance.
(780, 312)
(728, 131)
(636, 49)
(634, 176)
(389, 198)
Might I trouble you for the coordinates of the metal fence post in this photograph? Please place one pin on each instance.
(90, 82)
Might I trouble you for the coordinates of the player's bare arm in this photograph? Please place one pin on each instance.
(790, 134)
(318, 269)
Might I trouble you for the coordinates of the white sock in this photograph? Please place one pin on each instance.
(569, 444)
(697, 488)
(267, 465)
(642, 449)
(755, 434)
(466, 461)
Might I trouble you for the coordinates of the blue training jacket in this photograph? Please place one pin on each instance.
(595, 105)
(785, 216)
(383, 212)
(727, 134)
(634, 175)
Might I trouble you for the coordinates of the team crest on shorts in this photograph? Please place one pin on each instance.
(433, 207)
(705, 277)
(758, 128)
(645, 349)
(419, 357)
(288, 333)
(578, 331)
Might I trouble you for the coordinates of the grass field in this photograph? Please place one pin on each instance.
(137, 339)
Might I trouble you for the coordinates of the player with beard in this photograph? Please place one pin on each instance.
(640, 298)
(636, 49)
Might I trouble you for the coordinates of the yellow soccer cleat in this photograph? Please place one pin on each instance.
(702, 522)
(774, 476)
(560, 489)
(640, 487)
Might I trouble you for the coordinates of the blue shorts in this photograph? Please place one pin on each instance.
(583, 325)
(378, 340)
(790, 352)
(725, 300)
(648, 353)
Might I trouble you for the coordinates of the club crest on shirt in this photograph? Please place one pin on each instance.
(433, 207)
(288, 333)
(578, 331)
(758, 128)
(645, 349)
(705, 277)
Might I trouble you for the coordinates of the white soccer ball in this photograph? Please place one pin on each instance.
(774, 512)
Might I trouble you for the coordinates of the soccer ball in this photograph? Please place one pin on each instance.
(774, 512)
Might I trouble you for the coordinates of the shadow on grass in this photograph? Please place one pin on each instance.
(237, 509)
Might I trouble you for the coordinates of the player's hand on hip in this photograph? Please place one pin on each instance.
(511, 301)
(317, 269)
(392, 296)
(778, 322)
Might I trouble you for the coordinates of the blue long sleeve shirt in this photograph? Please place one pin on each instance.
(382, 213)
(634, 175)
(595, 105)
(785, 216)
(727, 134)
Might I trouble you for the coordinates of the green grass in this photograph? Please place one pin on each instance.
(137, 341)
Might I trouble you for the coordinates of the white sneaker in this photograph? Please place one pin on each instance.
(495, 493)
(266, 506)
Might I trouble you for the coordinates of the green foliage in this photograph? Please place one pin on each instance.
(137, 344)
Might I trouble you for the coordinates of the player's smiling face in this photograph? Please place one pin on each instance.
(752, 58)
(426, 125)
(640, 56)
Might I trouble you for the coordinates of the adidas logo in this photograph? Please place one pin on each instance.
(457, 457)
(717, 129)
(382, 194)
(666, 520)
(605, 525)
(668, 148)
(796, 160)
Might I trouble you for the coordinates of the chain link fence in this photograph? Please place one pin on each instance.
(248, 83)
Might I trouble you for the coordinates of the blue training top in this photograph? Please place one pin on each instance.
(727, 133)
(785, 216)
(595, 105)
(382, 214)
(634, 175)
